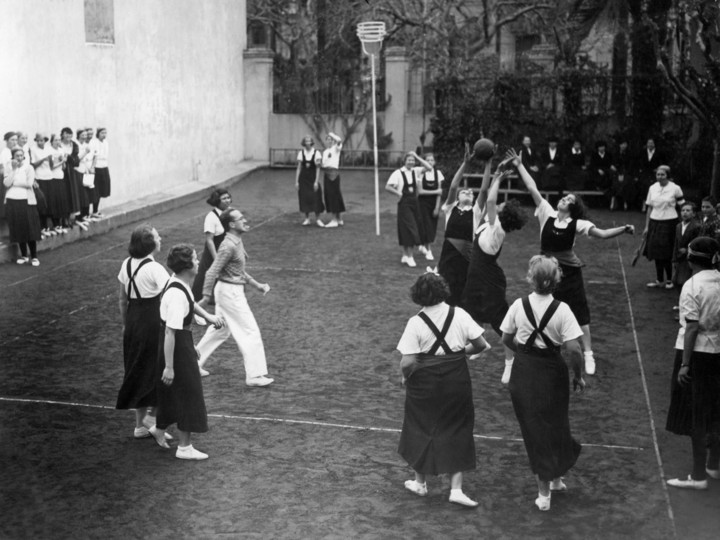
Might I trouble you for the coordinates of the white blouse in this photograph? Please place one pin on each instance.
(212, 224)
(19, 182)
(150, 280)
(562, 327)
(663, 200)
(42, 171)
(174, 306)
(418, 337)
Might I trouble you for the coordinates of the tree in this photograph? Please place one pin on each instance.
(688, 57)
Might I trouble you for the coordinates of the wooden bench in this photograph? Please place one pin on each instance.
(506, 188)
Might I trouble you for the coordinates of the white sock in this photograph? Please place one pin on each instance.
(588, 353)
(509, 362)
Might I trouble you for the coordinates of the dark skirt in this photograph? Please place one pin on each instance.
(53, 191)
(660, 239)
(540, 393)
(408, 221)
(705, 384)
(310, 201)
(437, 432)
(23, 221)
(682, 273)
(484, 294)
(140, 350)
(453, 266)
(334, 202)
(679, 416)
(182, 402)
(64, 207)
(571, 290)
(77, 193)
(428, 221)
(102, 182)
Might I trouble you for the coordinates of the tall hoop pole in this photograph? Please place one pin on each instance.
(375, 148)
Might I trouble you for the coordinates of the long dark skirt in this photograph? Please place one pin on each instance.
(429, 222)
(660, 239)
(679, 416)
(77, 193)
(182, 402)
(334, 202)
(437, 432)
(140, 350)
(453, 266)
(102, 182)
(540, 393)
(705, 385)
(408, 221)
(54, 197)
(310, 201)
(64, 208)
(571, 290)
(484, 294)
(23, 221)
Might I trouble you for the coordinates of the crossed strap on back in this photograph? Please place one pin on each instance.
(538, 329)
(187, 320)
(439, 334)
(131, 283)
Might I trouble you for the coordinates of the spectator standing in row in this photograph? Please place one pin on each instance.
(576, 167)
(530, 158)
(601, 168)
(334, 203)
(59, 203)
(10, 139)
(41, 161)
(686, 231)
(710, 225)
(551, 159)
(307, 182)
(21, 206)
(99, 147)
(624, 186)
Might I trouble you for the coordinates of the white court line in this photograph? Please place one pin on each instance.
(647, 395)
(276, 420)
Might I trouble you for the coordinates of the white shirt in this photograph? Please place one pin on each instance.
(545, 211)
(212, 224)
(42, 171)
(19, 182)
(312, 155)
(562, 327)
(552, 152)
(100, 148)
(5, 156)
(57, 170)
(331, 157)
(700, 301)
(396, 180)
(663, 200)
(418, 337)
(491, 237)
(150, 280)
(174, 306)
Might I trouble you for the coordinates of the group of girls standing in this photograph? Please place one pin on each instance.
(52, 184)
(420, 196)
(312, 197)
(162, 382)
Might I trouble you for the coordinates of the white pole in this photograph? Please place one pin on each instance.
(375, 148)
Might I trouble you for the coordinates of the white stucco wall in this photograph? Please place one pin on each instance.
(170, 90)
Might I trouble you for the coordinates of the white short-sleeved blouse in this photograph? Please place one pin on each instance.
(174, 306)
(418, 338)
(663, 200)
(562, 327)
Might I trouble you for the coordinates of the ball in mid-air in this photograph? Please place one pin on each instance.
(484, 148)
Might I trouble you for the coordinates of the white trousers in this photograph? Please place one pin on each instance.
(230, 302)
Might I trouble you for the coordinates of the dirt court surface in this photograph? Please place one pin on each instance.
(314, 455)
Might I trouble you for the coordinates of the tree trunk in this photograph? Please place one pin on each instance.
(715, 176)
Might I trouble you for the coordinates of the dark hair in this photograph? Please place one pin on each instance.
(598, 144)
(214, 198)
(9, 135)
(79, 131)
(712, 200)
(180, 257)
(703, 251)
(512, 217)
(98, 130)
(429, 289)
(226, 217)
(691, 204)
(142, 241)
(65, 130)
(16, 150)
(577, 209)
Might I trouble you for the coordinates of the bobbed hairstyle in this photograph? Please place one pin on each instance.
(512, 217)
(9, 135)
(665, 168)
(16, 150)
(544, 274)
(577, 209)
(215, 196)
(429, 289)
(180, 258)
(691, 204)
(703, 252)
(66, 130)
(142, 241)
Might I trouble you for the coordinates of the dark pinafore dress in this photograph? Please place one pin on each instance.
(437, 432)
(484, 294)
(182, 402)
(540, 392)
(427, 207)
(206, 261)
(456, 250)
(140, 346)
(311, 201)
(559, 243)
(408, 213)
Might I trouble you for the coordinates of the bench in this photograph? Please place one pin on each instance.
(473, 181)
